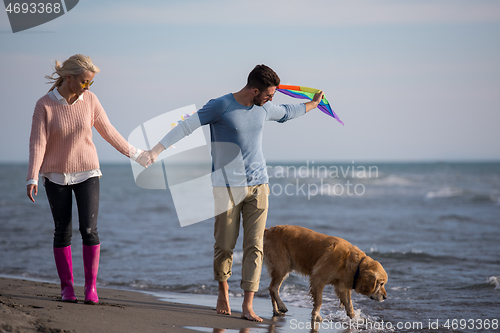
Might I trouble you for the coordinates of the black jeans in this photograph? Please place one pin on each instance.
(61, 202)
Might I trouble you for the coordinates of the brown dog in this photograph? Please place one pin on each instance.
(326, 260)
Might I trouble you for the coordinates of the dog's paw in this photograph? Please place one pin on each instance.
(282, 308)
(316, 317)
(278, 314)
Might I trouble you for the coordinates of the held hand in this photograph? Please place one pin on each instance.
(148, 157)
(144, 159)
(30, 189)
(153, 153)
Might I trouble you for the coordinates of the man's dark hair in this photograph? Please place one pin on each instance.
(262, 77)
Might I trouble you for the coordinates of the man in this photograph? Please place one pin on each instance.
(236, 125)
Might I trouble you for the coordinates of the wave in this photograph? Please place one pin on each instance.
(456, 217)
(311, 170)
(237, 257)
(414, 255)
(479, 198)
(296, 295)
(392, 180)
(494, 280)
(446, 192)
(493, 283)
(362, 322)
(399, 288)
(420, 256)
(148, 285)
(456, 192)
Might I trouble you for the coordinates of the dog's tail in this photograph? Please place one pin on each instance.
(276, 256)
(268, 237)
(270, 243)
(265, 237)
(267, 244)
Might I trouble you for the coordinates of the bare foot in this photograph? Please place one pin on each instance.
(223, 299)
(250, 315)
(247, 307)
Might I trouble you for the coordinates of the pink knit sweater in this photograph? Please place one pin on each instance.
(61, 136)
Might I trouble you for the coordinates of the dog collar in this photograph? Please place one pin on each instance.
(356, 276)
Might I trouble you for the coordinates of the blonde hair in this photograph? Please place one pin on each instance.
(74, 65)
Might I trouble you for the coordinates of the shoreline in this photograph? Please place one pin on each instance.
(35, 306)
(31, 306)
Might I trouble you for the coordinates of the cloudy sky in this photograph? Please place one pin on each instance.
(412, 80)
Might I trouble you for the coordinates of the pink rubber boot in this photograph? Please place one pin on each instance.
(91, 265)
(64, 264)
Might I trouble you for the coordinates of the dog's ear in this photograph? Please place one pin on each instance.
(366, 283)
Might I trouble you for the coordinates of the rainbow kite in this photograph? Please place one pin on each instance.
(308, 93)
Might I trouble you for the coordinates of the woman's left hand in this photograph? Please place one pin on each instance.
(144, 159)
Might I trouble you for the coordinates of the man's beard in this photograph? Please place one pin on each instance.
(257, 101)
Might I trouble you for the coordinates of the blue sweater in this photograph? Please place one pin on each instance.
(236, 135)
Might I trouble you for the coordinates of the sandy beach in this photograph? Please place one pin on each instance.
(30, 306)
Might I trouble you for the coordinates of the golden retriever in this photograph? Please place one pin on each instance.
(326, 260)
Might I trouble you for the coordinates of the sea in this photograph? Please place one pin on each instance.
(435, 228)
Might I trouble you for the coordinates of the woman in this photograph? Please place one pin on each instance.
(62, 151)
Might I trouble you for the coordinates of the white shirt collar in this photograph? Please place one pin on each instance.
(62, 100)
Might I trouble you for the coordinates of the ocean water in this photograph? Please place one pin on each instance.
(435, 227)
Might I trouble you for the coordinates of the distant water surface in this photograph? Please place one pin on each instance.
(435, 227)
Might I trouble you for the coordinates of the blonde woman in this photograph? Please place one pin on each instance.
(62, 152)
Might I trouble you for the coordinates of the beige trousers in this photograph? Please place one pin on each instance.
(252, 204)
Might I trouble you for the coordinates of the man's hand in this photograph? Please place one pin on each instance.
(144, 159)
(148, 157)
(153, 153)
(30, 189)
(315, 101)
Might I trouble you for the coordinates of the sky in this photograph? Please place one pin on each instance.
(413, 81)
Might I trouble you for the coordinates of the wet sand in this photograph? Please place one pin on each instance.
(30, 306)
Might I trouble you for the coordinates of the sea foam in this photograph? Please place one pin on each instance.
(446, 192)
(494, 280)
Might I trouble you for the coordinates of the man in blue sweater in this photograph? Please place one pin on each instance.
(236, 123)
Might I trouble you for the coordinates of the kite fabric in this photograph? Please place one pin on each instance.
(308, 93)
